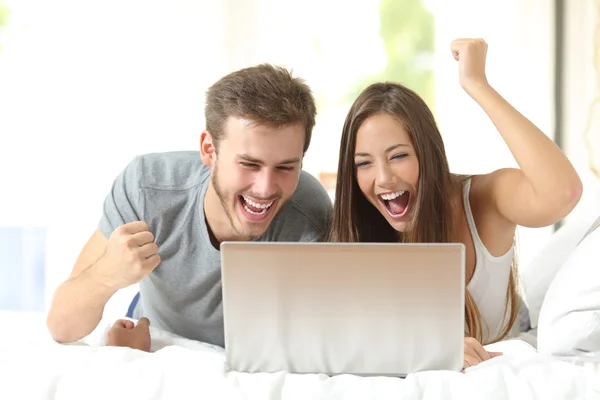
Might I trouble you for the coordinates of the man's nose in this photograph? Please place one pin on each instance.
(265, 184)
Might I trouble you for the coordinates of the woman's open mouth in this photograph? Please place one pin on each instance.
(396, 203)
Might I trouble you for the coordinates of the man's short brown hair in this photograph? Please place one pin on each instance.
(266, 95)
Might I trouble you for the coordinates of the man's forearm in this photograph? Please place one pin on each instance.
(77, 306)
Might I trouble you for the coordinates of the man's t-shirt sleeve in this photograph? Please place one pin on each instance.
(123, 203)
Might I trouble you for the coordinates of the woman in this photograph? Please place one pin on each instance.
(394, 184)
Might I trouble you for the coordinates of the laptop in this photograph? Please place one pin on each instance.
(385, 309)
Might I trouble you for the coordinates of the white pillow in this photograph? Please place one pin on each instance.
(536, 276)
(569, 319)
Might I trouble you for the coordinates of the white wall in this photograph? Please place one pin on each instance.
(519, 66)
(85, 86)
(582, 98)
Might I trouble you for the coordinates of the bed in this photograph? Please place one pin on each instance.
(32, 366)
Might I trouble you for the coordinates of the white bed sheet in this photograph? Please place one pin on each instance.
(33, 367)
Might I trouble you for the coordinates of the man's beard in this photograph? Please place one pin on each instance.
(223, 200)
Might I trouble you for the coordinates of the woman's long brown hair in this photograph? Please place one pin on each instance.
(357, 220)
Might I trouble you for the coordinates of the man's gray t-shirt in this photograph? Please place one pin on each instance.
(166, 190)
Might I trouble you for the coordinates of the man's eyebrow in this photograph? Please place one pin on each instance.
(253, 160)
(250, 159)
(290, 161)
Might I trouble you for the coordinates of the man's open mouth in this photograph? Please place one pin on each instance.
(255, 207)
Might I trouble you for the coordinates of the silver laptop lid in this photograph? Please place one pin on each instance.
(335, 308)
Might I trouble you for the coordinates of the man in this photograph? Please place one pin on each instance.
(167, 213)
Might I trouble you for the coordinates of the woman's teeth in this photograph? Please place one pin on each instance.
(392, 196)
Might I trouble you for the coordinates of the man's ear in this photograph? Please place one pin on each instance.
(208, 152)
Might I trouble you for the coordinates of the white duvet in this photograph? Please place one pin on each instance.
(36, 368)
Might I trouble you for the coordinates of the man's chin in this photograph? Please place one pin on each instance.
(245, 231)
(255, 229)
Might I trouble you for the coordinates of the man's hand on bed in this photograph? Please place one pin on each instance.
(124, 333)
(475, 353)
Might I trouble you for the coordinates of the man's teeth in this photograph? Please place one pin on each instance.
(392, 196)
(257, 205)
(264, 210)
(262, 207)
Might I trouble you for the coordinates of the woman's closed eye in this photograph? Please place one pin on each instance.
(399, 156)
(360, 164)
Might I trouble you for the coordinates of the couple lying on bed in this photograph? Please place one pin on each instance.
(167, 213)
